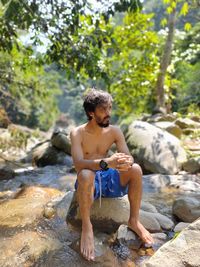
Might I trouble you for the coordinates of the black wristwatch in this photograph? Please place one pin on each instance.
(103, 165)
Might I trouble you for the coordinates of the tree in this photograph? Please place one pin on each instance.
(131, 63)
(61, 22)
(166, 56)
(27, 91)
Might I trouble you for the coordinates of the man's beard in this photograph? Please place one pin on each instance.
(101, 123)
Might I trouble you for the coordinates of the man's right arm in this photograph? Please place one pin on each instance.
(77, 154)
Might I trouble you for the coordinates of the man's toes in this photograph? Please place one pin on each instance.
(92, 255)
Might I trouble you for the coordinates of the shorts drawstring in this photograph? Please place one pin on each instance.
(100, 188)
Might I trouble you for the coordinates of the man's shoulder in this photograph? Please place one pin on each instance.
(115, 128)
(77, 130)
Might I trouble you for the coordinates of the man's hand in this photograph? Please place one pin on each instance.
(120, 161)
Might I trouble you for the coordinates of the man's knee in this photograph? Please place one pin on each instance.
(85, 177)
(136, 170)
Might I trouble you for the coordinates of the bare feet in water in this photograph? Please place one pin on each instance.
(87, 243)
(139, 229)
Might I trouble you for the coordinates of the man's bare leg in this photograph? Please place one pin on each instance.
(133, 178)
(85, 199)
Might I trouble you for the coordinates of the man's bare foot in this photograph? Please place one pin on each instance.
(87, 242)
(139, 229)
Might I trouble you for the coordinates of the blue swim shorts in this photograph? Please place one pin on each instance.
(107, 184)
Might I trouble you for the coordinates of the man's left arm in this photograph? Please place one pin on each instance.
(121, 143)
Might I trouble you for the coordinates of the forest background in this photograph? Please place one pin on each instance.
(145, 53)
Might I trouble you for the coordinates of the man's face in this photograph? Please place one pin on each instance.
(102, 114)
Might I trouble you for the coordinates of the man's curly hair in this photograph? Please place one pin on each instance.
(94, 98)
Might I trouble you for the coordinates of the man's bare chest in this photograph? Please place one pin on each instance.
(96, 145)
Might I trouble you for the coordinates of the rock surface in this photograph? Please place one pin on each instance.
(6, 173)
(181, 251)
(114, 212)
(170, 127)
(156, 150)
(187, 209)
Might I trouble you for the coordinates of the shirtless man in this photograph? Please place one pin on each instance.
(99, 175)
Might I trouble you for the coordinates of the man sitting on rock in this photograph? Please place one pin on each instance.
(99, 175)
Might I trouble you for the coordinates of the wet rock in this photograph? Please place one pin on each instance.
(26, 248)
(187, 209)
(156, 150)
(49, 212)
(121, 251)
(6, 173)
(26, 207)
(114, 212)
(181, 251)
(128, 238)
(61, 204)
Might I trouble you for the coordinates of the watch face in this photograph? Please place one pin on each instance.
(103, 165)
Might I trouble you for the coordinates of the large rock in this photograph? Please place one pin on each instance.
(26, 248)
(181, 251)
(114, 212)
(60, 140)
(192, 165)
(46, 154)
(183, 182)
(6, 173)
(128, 238)
(170, 127)
(156, 150)
(184, 123)
(27, 207)
(187, 209)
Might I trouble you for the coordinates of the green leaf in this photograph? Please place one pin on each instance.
(187, 26)
(184, 9)
(163, 22)
(169, 10)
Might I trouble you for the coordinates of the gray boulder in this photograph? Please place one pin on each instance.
(184, 123)
(192, 165)
(180, 226)
(114, 212)
(156, 150)
(170, 127)
(6, 173)
(61, 141)
(44, 154)
(181, 251)
(187, 209)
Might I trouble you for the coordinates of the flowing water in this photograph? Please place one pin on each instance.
(30, 238)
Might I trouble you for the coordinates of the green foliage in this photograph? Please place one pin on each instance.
(187, 92)
(185, 79)
(133, 63)
(18, 139)
(27, 90)
(188, 12)
(61, 22)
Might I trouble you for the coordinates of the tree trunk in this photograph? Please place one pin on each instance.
(165, 60)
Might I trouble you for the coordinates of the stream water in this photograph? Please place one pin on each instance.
(49, 240)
